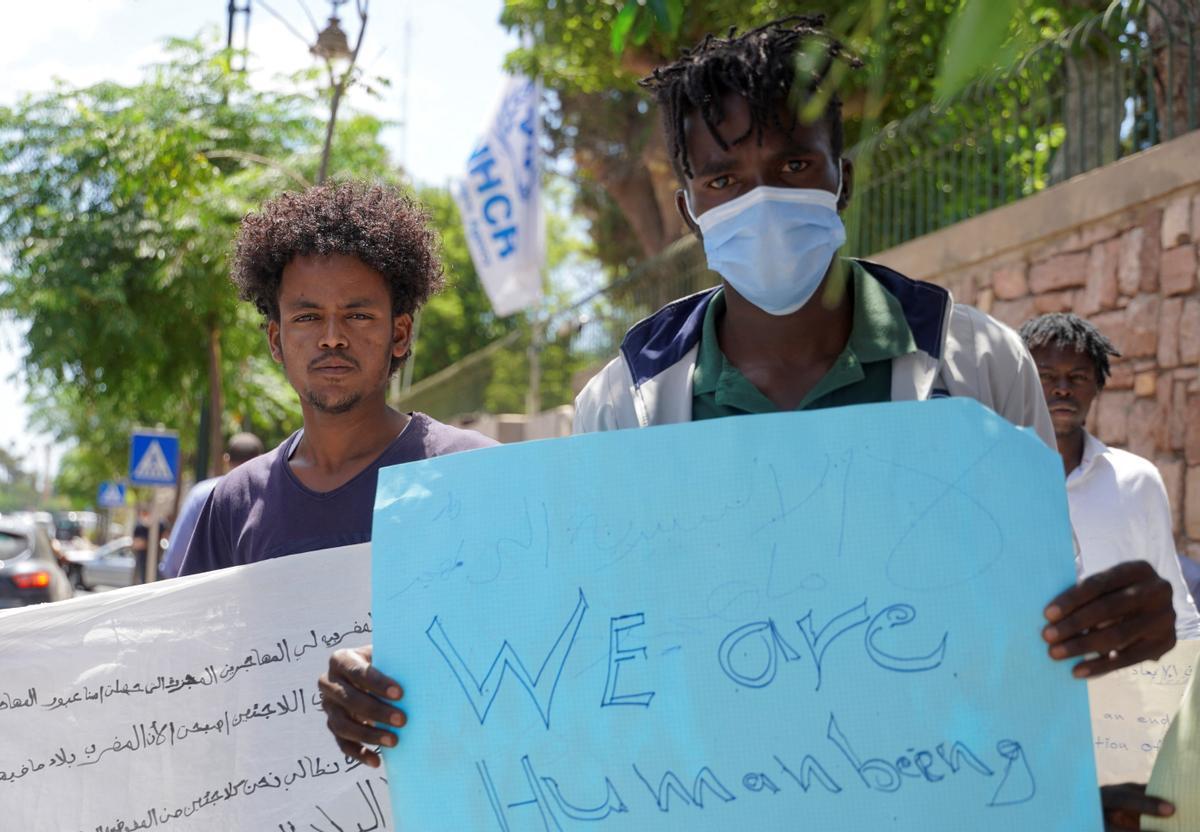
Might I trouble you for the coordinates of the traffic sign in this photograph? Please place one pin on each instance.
(153, 457)
(111, 495)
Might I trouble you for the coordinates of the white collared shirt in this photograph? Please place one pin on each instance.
(1119, 512)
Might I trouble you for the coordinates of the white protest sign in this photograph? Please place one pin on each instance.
(500, 201)
(1132, 709)
(187, 705)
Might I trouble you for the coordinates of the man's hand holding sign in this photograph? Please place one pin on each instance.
(354, 694)
(1119, 618)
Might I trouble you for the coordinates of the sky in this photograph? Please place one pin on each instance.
(454, 74)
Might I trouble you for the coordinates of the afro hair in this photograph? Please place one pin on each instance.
(384, 228)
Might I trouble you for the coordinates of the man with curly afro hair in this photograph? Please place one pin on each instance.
(338, 271)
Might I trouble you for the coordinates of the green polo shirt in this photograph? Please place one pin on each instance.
(862, 374)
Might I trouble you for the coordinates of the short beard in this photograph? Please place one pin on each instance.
(336, 406)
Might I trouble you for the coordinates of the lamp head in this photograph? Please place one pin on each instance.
(332, 44)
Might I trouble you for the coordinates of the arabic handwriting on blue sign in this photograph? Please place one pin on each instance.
(831, 613)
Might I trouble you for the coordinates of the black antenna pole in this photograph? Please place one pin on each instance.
(234, 10)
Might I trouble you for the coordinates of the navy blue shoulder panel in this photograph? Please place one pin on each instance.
(662, 339)
(657, 342)
(924, 305)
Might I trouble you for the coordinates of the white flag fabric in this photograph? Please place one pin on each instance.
(500, 201)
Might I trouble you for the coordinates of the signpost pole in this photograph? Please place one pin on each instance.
(152, 544)
(109, 497)
(154, 461)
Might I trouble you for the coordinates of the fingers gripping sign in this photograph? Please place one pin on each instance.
(353, 692)
(1126, 803)
(1114, 619)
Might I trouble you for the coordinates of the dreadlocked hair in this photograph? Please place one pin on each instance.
(787, 60)
(1064, 330)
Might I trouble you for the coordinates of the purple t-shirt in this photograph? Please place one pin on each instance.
(261, 510)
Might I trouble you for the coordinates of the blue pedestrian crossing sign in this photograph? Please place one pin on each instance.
(153, 457)
(111, 495)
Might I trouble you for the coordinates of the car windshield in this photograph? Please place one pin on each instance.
(12, 544)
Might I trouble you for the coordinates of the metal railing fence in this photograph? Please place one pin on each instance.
(597, 325)
(1112, 85)
(462, 387)
(577, 338)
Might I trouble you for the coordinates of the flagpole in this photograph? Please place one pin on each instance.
(533, 396)
(407, 374)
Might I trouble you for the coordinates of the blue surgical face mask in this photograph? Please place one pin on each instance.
(774, 245)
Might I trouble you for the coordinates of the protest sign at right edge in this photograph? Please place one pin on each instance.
(1132, 709)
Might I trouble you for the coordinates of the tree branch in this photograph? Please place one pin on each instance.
(309, 15)
(243, 156)
(285, 22)
(339, 89)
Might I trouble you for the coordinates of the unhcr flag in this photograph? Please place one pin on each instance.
(500, 201)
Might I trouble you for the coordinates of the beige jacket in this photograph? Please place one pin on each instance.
(960, 352)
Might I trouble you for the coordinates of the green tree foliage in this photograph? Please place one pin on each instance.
(117, 208)
(506, 389)
(590, 55)
(18, 486)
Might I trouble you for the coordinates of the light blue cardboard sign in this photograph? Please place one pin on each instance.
(825, 620)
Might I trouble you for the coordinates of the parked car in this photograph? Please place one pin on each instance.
(72, 560)
(29, 570)
(110, 565)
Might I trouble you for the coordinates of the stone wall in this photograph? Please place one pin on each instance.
(1118, 246)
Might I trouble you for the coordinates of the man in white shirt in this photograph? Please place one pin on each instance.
(1118, 504)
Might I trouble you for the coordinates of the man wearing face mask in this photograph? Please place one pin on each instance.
(792, 328)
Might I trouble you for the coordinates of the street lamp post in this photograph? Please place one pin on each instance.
(234, 10)
(333, 47)
(332, 44)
